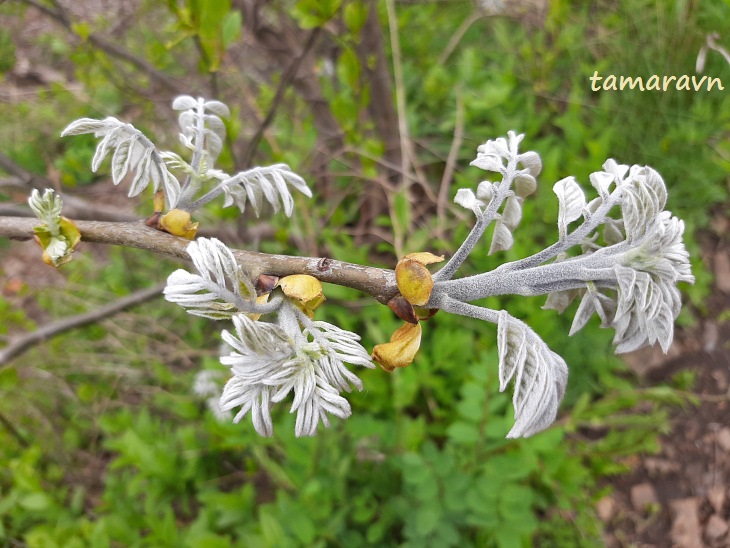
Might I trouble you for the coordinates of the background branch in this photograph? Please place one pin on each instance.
(110, 48)
(286, 80)
(25, 342)
(73, 206)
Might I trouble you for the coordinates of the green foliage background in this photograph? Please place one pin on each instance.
(101, 440)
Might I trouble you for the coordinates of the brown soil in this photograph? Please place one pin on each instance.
(681, 496)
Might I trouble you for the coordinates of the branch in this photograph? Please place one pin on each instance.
(377, 282)
(74, 207)
(286, 79)
(448, 175)
(25, 342)
(111, 48)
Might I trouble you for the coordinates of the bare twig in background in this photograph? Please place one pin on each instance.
(280, 45)
(458, 35)
(399, 92)
(74, 206)
(286, 79)
(23, 343)
(448, 175)
(111, 48)
(11, 429)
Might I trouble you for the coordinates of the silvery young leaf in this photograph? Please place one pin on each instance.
(133, 151)
(219, 290)
(265, 183)
(593, 301)
(502, 239)
(618, 171)
(218, 108)
(560, 300)
(47, 208)
(540, 376)
(644, 199)
(531, 161)
(249, 397)
(613, 231)
(512, 213)
(524, 184)
(268, 362)
(184, 102)
(485, 191)
(601, 181)
(215, 144)
(571, 200)
(466, 199)
(175, 161)
(338, 346)
(201, 124)
(647, 307)
(216, 125)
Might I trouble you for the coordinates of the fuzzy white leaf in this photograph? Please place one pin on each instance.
(47, 208)
(466, 199)
(90, 125)
(644, 199)
(216, 125)
(186, 120)
(485, 191)
(602, 181)
(270, 183)
(618, 171)
(502, 239)
(266, 355)
(218, 108)
(571, 200)
(488, 163)
(338, 347)
(137, 153)
(120, 160)
(110, 141)
(560, 300)
(524, 184)
(57, 248)
(219, 290)
(184, 102)
(512, 214)
(593, 301)
(532, 162)
(141, 176)
(647, 307)
(249, 397)
(613, 231)
(215, 144)
(540, 376)
(175, 161)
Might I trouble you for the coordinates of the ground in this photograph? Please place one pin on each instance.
(681, 496)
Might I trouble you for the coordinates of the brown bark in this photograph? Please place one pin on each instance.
(377, 282)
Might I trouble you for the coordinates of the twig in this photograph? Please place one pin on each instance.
(108, 47)
(23, 343)
(13, 431)
(377, 282)
(450, 165)
(74, 206)
(399, 90)
(286, 80)
(458, 35)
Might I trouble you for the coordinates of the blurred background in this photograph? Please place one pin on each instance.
(107, 436)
